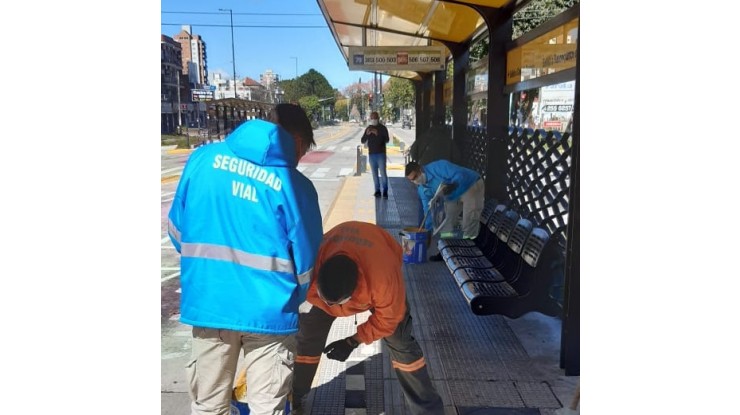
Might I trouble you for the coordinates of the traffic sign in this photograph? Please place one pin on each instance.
(202, 95)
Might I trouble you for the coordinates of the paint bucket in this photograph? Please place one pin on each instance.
(414, 242)
(241, 408)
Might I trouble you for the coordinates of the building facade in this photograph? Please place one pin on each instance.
(193, 57)
(269, 79)
(170, 83)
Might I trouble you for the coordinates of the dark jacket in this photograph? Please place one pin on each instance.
(376, 142)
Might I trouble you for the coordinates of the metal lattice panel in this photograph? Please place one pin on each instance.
(474, 148)
(538, 176)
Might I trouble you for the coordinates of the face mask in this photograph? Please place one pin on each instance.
(373, 122)
(421, 179)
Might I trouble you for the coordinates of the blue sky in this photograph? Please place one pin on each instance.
(258, 49)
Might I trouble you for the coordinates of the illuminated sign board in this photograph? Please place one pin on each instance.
(397, 58)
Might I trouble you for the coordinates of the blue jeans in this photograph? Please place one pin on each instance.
(377, 162)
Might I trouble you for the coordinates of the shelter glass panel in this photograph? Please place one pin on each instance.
(550, 53)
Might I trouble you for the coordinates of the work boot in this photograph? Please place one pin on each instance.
(377, 193)
(385, 194)
(297, 407)
(436, 258)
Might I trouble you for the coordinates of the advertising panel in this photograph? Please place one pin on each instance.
(547, 54)
(398, 58)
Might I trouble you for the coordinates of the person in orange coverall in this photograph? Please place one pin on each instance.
(359, 269)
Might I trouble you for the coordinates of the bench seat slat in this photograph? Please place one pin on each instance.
(464, 275)
(471, 252)
(455, 263)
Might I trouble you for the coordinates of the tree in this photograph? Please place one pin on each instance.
(358, 93)
(399, 92)
(311, 83)
(526, 19)
(538, 12)
(314, 83)
(311, 105)
(341, 109)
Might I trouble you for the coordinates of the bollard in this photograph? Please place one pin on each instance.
(358, 169)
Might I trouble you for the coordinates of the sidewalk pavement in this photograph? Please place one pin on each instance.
(479, 364)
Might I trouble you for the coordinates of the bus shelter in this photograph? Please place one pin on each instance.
(511, 106)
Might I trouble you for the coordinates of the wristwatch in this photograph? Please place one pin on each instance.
(352, 342)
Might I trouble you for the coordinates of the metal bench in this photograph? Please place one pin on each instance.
(510, 270)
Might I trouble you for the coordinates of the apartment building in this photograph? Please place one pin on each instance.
(171, 70)
(193, 57)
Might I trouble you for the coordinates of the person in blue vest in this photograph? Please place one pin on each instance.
(247, 225)
(463, 190)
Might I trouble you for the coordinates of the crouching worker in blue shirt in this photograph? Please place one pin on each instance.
(248, 227)
(463, 190)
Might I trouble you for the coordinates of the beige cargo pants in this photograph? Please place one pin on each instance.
(471, 203)
(211, 371)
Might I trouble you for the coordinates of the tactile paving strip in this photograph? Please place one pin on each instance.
(386, 213)
(374, 396)
(537, 394)
(477, 362)
(407, 199)
(491, 394)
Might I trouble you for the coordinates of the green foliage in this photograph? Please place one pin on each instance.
(290, 90)
(341, 109)
(310, 104)
(538, 12)
(168, 140)
(526, 19)
(308, 84)
(387, 113)
(400, 93)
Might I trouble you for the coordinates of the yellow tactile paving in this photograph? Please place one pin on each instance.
(180, 151)
(351, 204)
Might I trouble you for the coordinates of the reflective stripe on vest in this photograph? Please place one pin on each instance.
(236, 256)
(172, 229)
(305, 278)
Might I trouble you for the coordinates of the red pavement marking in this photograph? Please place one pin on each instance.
(316, 156)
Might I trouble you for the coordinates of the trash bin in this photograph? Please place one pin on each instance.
(414, 242)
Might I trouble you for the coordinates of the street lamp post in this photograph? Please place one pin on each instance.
(296, 66)
(179, 111)
(233, 59)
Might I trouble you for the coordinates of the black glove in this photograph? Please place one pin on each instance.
(449, 188)
(341, 349)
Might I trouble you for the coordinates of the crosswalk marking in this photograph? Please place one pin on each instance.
(331, 148)
(171, 170)
(171, 276)
(301, 168)
(346, 171)
(345, 148)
